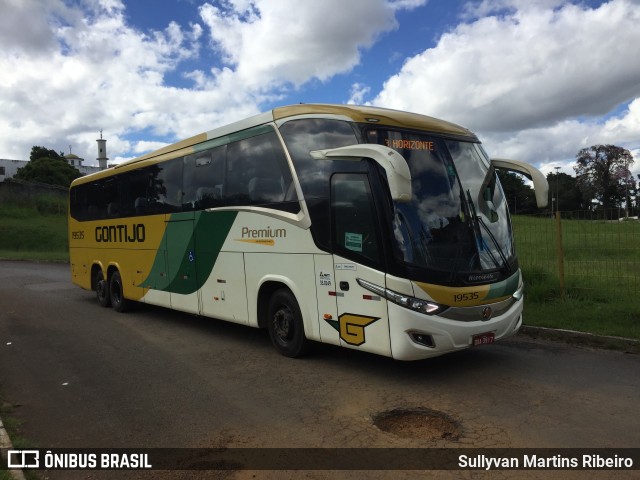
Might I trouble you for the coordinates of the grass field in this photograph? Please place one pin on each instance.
(602, 274)
(33, 229)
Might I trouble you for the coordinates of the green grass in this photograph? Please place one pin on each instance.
(33, 229)
(602, 275)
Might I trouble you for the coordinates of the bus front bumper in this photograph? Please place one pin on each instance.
(416, 336)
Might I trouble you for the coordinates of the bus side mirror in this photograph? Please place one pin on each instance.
(394, 164)
(540, 185)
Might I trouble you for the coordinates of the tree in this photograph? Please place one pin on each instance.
(564, 189)
(47, 166)
(520, 197)
(603, 174)
(42, 152)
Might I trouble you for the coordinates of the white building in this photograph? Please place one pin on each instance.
(8, 168)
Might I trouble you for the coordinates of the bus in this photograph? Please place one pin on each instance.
(368, 228)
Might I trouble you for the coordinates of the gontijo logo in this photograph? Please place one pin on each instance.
(121, 233)
(351, 327)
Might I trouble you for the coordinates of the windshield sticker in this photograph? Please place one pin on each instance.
(410, 144)
(353, 241)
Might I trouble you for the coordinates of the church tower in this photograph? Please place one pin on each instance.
(102, 152)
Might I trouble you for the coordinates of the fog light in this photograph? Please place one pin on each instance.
(423, 339)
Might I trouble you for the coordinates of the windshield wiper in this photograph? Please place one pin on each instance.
(477, 222)
(417, 246)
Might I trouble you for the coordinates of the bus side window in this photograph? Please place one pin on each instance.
(354, 217)
(110, 188)
(132, 193)
(203, 179)
(166, 191)
(237, 183)
(258, 174)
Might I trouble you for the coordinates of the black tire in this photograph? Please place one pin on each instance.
(284, 323)
(118, 302)
(102, 289)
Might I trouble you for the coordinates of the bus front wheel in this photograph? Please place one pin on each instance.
(118, 302)
(102, 289)
(284, 322)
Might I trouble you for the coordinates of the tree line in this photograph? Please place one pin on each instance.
(603, 181)
(48, 166)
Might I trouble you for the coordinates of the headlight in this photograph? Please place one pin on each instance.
(423, 306)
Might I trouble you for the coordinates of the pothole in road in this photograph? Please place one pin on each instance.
(418, 423)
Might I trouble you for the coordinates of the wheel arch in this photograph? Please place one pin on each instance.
(112, 268)
(97, 265)
(95, 268)
(268, 284)
(266, 290)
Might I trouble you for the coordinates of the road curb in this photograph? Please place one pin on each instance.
(5, 444)
(627, 345)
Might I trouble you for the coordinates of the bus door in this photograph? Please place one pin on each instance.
(181, 260)
(362, 320)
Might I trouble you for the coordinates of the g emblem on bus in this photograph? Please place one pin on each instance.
(486, 313)
(351, 327)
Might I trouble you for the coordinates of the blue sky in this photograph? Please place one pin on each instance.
(537, 81)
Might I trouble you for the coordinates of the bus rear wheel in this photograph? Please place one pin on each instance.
(118, 302)
(284, 322)
(102, 289)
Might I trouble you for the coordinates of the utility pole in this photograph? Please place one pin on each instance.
(626, 188)
(557, 189)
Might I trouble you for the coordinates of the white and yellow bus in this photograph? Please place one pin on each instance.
(373, 229)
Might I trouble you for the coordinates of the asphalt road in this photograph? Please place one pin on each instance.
(79, 375)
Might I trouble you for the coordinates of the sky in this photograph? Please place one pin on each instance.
(535, 80)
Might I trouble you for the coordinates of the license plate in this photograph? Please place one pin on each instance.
(483, 339)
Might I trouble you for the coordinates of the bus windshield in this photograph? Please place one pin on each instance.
(457, 219)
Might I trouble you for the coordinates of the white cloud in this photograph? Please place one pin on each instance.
(529, 78)
(358, 93)
(73, 68)
(557, 144)
(94, 72)
(271, 44)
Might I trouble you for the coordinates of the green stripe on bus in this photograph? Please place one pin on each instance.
(505, 288)
(189, 250)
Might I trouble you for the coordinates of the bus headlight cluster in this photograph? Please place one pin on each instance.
(423, 306)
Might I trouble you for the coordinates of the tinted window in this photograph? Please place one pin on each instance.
(258, 174)
(204, 179)
(168, 191)
(307, 135)
(354, 218)
(304, 136)
(132, 193)
(252, 171)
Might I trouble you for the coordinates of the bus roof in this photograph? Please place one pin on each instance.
(359, 114)
(381, 116)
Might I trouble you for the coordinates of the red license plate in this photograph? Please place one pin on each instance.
(483, 339)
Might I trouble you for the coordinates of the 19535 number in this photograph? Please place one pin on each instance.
(465, 297)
